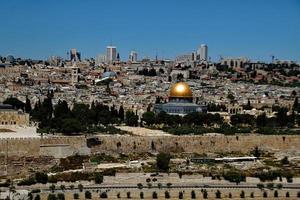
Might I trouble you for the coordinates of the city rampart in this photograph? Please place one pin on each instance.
(127, 144)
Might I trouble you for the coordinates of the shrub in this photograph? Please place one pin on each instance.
(103, 195)
(279, 186)
(35, 191)
(80, 187)
(98, 177)
(270, 186)
(260, 186)
(234, 176)
(140, 186)
(88, 194)
(52, 187)
(29, 181)
(41, 177)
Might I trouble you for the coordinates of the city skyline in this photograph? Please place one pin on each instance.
(252, 29)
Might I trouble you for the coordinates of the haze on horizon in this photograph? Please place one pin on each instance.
(251, 28)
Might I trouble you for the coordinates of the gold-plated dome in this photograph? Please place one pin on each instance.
(181, 89)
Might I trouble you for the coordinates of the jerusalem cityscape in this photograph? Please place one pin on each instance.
(150, 100)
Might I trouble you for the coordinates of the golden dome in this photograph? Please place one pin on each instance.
(181, 89)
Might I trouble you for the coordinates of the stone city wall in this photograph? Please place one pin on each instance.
(196, 144)
(128, 144)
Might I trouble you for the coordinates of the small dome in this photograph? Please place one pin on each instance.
(181, 89)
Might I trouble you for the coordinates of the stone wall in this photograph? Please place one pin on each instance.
(129, 144)
(196, 144)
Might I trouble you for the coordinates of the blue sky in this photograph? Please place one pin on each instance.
(252, 28)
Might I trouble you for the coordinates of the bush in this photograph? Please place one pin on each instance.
(279, 186)
(163, 161)
(41, 177)
(80, 187)
(88, 194)
(103, 195)
(52, 187)
(29, 181)
(35, 191)
(270, 186)
(260, 186)
(234, 176)
(98, 177)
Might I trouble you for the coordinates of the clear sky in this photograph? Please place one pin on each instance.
(253, 28)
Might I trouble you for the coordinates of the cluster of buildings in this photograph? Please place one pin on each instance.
(108, 80)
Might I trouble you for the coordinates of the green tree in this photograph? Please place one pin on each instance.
(80, 187)
(98, 177)
(52, 187)
(242, 195)
(27, 105)
(218, 194)
(61, 196)
(37, 197)
(76, 196)
(51, 197)
(163, 161)
(88, 194)
(193, 194)
(70, 126)
(149, 118)
(131, 119)
(205, 194)
(167, 195)
(16, 103)
(142, 195)
(41, 177)
(121, 113)
(261, 120)
(154, 195)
